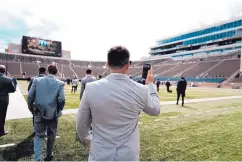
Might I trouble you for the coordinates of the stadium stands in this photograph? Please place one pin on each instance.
(225, 69)
(14, 69)
(178, 68)
(214, 68)
(197, 70)
(68, 73)
(30, 69)
(80, 71)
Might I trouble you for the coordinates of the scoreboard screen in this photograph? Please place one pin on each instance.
(32, 45)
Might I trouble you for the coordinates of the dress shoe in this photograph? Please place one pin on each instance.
(48, 158)
(3, 133)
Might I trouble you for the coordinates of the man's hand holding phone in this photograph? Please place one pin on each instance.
(150, 77)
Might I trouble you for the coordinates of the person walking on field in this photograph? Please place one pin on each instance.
(181, 90)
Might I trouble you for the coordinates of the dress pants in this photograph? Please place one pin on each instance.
(3, 113)
(73, 88)
(40, 127)
(182, 94)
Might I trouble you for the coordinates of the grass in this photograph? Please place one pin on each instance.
(72, 100)
(214, 137)
(196, 93)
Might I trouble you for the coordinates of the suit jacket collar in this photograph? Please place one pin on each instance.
(41, 75)
(51, 76)
(118, 76)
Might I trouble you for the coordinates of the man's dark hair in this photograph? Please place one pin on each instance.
(2, 69)
(52, 69)
(183, 78)
(88, 71)
(118, 56)
(42, 70)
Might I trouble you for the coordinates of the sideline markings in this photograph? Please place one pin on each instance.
(7, 145)
(173, 117)
(157, 120)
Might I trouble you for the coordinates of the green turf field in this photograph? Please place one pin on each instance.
(72, 100)
(199, 131)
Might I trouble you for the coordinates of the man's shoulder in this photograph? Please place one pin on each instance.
(37, 78)
(88, 79)
(96, 83)
(6, 78)
(60, 82)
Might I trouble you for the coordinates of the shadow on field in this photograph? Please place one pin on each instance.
(188, 107)
(21, 150)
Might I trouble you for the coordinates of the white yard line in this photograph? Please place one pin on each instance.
(157, 120)
(7, 145)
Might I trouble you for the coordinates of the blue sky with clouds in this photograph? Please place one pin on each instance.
(89, 28)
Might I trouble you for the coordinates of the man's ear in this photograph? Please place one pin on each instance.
(127, 66)
(107, 64)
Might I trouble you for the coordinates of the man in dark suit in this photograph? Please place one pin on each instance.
(158, 85)
(42, 73)
(168, 84)
(7, 85)
(181, 89)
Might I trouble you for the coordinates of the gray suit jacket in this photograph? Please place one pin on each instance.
(48, 95)
(84, 81)
(115, 103)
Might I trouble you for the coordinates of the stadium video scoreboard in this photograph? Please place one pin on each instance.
(38, 46)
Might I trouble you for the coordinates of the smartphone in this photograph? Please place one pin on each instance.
(146, 68)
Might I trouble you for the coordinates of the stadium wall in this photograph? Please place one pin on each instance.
(15, 48)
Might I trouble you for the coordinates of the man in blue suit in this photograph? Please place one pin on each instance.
(49, 97)
(42, 73)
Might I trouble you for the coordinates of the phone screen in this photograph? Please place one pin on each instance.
(146, 68)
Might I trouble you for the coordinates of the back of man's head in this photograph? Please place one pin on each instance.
(118, 57)
(88, 71)
(182, 78)
(52, 69)
(42, 70)
(2, 69)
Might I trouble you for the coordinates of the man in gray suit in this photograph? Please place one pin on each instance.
(7, 85)
(87, 79)
(49, 97)
(113, 105)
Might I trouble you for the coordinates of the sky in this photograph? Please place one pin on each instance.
(89, 28)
